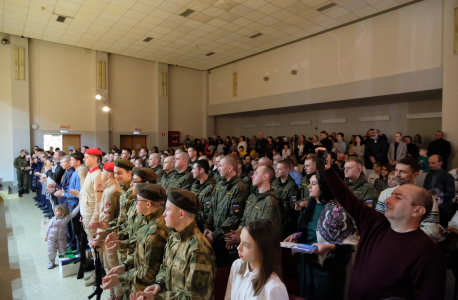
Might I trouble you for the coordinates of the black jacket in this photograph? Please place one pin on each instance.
(327, 143)
(261, 147)
(445, 183)
(441, 147)
(377, 149)
(57, 174)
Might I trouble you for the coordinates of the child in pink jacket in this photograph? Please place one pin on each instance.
(56, 233)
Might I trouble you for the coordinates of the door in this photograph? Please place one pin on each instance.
(71, 142)
(133, 142)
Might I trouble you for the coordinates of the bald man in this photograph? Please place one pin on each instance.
(182, 178)
(154, 162)
(167, 167)
(226, 210)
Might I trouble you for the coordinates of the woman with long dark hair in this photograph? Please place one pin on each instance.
(256, 275)
(358, 148)
(270, 146)
(325, 224)
(381, 183)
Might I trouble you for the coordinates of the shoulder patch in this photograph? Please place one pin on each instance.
(236, 208)
(257, 207)
(207, 204)
(294, 198)
(370, 203)
(200, 279)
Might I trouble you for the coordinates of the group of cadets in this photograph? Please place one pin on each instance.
(164, 229)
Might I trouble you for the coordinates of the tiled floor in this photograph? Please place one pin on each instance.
(27, 273)
(23, 271)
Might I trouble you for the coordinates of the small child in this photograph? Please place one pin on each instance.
(423, 160)
(242, 152)
(392, 180)
(56, 232)
(285, 152)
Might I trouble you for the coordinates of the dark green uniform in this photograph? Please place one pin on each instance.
(262, 206)
(246, 180)
(22, 175)
(364, 191)
(287, 194)
(165, 179)
(188, 270)
(145, 262)
(159, 171)
(216, 175)
(181, 180)
(191, 163)
(226, 212)
(304, 190)
(203, 191)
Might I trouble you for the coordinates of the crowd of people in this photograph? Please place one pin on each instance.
(164, 221)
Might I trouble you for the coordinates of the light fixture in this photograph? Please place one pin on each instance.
(106, 108)
(98, 97)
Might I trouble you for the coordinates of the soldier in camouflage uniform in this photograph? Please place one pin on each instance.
(356, 182)
(169, 171)
(154, 162)
(140, 268)
(310, 169)
(192, 152)
(188, 270)
(226, 210)
(216, 174)
(182, 178)
(210, 172)
(203, 188)
(261, 205)
(22, 166)
(287, 194)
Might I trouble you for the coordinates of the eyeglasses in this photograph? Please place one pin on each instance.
(136, 201)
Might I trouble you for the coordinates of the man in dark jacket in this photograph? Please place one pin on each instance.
(438, 178)
(261, 145)
(325, 141)
(56, 175)
(376, 149)
(440, 147)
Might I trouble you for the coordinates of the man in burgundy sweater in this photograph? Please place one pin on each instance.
(394, 258)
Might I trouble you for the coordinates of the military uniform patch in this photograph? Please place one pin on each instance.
(200, 279)
(236, 208)
(294, 198)
(370, 203)
(207, 204)
(257, 207)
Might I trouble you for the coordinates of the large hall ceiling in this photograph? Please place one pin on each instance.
(223, 27)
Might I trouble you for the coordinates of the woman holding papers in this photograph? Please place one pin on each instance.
(324, 224)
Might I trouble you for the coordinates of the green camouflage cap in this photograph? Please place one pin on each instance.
(124, 163)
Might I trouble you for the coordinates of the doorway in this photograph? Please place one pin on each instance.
(133, 142)
(71, 142)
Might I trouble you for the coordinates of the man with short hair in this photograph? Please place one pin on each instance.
(356, 182)
(397, 150)
(260, 146)
(167, 166)
(154, 162)
(141, 267)
(84, 149)
(286, 191)
(297, 177)
(226, 210)
(409, 265)
(310, 170)
(247, 161)
(192, 152)
(126, 153)
(21, 163)
(440, 147)
(188, 270)
(376, 148)
(63, 187)
(325, 142)
(143, 153)
(202, 187)
(340, 146)
(183, 177)
(406, 170)
(439, 179)
(340, 162)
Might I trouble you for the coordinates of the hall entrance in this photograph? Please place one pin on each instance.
(134, 142)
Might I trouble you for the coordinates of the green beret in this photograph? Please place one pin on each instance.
(184, 199)
(151, 191)
(146, 174)
(124, 164)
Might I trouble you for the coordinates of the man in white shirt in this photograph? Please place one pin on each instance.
(406, 170)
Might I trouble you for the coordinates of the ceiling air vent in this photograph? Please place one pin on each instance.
(61, 19)
(210, 54)
(256, 35)
(148, 39)
(328, 6)
(187, 12)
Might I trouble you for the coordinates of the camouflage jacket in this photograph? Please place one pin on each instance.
(165, 179)
(226, 207)
(159, 171)
(20, 162)
(143, 265)
(125, 200)
(128, 235)
(204, 193)
(191, 163)
(245, 179)
(262, 207)
(364, 191)
(182, 180)
(304, 189)
(216, 175)
(287, 194)
(189, 267)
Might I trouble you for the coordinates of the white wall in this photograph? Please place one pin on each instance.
(401, 41)
(7, 171)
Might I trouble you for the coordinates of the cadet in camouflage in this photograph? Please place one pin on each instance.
(154, 163)
(140, 268)
(287, 193)
(168, 171)
(188, 270)
(202, 187)
(183, 177)
(358, 184)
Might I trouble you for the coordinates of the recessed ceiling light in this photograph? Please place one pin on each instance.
(61, 19)
(256, 35)
(328, 6)
(148, 39)
(210, 54)
(187, 12)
